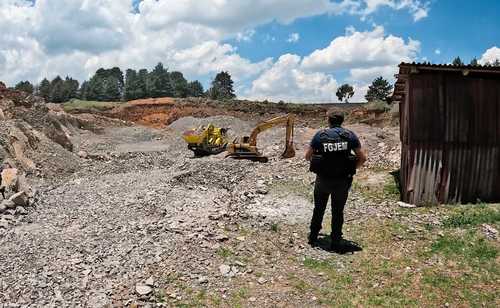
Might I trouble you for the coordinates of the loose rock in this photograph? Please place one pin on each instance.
(143, 289)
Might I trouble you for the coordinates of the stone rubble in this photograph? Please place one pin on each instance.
(132, 216)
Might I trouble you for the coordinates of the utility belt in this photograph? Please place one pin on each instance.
(329, 167)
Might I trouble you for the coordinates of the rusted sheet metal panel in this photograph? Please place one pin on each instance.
(450, 130)
(450, 174)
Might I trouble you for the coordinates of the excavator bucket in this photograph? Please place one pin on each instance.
(289, 151)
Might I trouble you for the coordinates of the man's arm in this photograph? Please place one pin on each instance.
(309, 153)
(361, 157)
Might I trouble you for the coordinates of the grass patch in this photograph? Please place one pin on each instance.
(80, 105)
(391, 189)
(225, 253)
(317, 264)
(462, 270)
(473, 216)
(438, 280)
(469, 247)
(275, 227)
(384, 188)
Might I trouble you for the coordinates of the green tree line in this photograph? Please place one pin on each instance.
(113, 85)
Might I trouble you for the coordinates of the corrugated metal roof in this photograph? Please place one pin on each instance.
(446, 67)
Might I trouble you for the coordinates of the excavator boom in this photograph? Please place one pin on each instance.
(246, 147)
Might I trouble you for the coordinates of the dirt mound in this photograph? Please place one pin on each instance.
(152, 101)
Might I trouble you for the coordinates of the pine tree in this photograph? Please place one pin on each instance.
(44, 89)
(195, 89)
(95, 88)
(83, 92)
(159, 84)
(142, 84)
(25, 86)
(70, 89)
(474, 62)
(457, 62)
(57, 90)
(130, 92)
(179, 84)
(380, 89)
(106, 85)
(222, 87)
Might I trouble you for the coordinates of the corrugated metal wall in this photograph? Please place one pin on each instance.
(450, 130)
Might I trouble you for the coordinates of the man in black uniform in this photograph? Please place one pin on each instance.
(335, 154)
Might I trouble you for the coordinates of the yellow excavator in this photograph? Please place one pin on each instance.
(206, 140)
(246, 147)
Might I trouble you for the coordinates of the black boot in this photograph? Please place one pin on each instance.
(312, 239)
(335, 245)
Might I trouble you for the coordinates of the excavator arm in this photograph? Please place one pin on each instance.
(263, 126)
(247, 146)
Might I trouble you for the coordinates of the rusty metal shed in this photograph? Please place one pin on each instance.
(450, 133)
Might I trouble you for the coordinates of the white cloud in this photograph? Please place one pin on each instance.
(287, 81)
(230, 17)
(366, 56)
(293, 38)
(418, 9)
(437, 51)
(70, 37)
(366, 75)
(212, 57)
(360, 50)
(245, 36)
(490, 55)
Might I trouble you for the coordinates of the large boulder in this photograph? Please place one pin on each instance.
(59, 134)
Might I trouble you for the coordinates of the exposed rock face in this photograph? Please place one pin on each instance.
(19, 143)
(33, 136)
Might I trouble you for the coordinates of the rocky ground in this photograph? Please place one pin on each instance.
(141, 223)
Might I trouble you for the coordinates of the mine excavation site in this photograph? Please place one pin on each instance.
(107, 207)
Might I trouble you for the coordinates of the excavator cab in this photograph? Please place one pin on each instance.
(246, 147)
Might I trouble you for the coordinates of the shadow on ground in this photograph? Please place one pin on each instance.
(325, 243)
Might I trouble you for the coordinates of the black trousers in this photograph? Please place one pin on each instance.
(338, 190)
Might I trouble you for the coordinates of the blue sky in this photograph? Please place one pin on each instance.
(456, 28)
(299, 50)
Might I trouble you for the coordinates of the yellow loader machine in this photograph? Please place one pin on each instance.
(206, 140)
(246, 147)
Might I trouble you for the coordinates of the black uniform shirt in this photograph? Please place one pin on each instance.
(352, 139)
